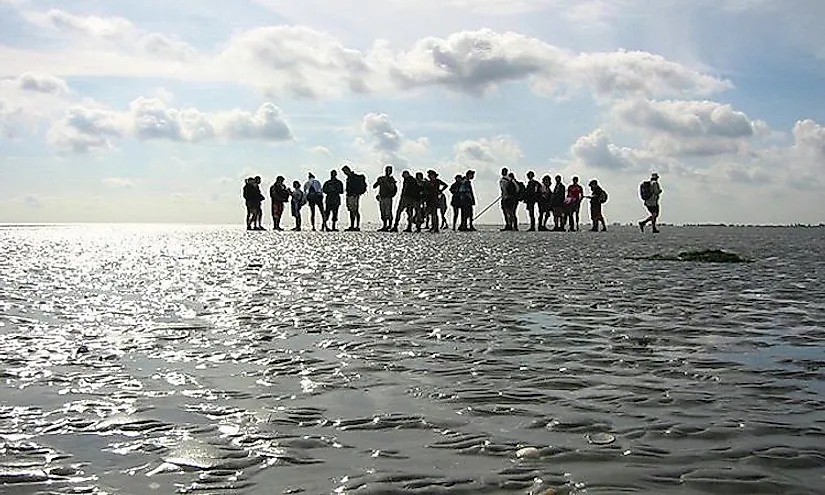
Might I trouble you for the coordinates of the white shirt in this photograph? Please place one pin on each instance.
(313, 185)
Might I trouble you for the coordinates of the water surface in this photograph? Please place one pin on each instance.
(163, 359)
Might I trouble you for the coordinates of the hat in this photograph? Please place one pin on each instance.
(654, 175)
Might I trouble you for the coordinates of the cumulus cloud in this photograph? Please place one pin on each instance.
(42, 83)
(111, 32)
(488, 154)
(809, 139)
(302, 62)
(387, 143)
(689, 127)
(85, 129)
(597, 151)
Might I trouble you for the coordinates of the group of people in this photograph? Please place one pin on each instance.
(423, 200)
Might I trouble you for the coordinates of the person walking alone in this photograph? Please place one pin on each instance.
(651, 191)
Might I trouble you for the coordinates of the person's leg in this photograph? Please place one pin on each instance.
(576, 212)
(531, 213)
(335, 209)
(654, 219)
(456, 212)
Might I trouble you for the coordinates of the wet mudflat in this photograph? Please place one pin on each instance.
(163, 359)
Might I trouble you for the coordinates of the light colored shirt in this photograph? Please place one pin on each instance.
(502, 184)
(313, 185)
(655, 193)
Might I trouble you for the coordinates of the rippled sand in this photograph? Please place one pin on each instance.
(146, 360)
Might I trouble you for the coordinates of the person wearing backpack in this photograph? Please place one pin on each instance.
(598, 197)
(356, 186)
(314, 197)
(650, 191)
(333, 188)
(280, 195)
(387, 189)
(532, 194)
(298, 200)
(467, 199)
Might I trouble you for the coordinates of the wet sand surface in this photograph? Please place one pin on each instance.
(189, 359)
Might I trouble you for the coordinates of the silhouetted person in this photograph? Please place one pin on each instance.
(455, 198)
(557, 201)
(434, 187)
(298, 200)
(598, 197)
(280, 195)
(651, 202)
(545, 202)
(314, 197)
(509, 199)
(442, 209)
(387, 189)
(421, 204)
(408, 201)
(253, 198)
(467, 201)
(532, 195)
(333, 188)
(575, 193)
(356, 186)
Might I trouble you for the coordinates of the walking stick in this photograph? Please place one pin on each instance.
(488, 207)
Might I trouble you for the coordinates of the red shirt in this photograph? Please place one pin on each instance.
(575, 191)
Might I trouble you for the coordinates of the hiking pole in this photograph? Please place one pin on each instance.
(488, 207)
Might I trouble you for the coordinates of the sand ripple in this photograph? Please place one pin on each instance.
(210, 360)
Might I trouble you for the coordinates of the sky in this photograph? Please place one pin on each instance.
(155, 111)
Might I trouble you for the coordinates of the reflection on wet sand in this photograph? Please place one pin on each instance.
(148, 359)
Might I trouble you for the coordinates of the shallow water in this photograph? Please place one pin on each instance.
(163, 359)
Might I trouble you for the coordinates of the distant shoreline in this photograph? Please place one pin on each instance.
(490, 225)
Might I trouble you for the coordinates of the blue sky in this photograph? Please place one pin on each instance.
(116, 111)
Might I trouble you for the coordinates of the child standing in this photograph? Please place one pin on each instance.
(298, 200)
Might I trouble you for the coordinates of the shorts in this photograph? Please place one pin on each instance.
(508, 204)
(353, 202)
(277, 208)
(653, 209)
(253, 206)
(385, 207)
(315, 200)
(296, 209)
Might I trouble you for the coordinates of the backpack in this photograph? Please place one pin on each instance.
(512, 189)
(359, 184)
(603, 197)
(646, 190)
(303, 200)
(393, 188)
(520, 191)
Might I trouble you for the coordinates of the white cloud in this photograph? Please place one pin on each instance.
(320, 150)
(306, 63)
(111, 33)
(488, 154)
(118, 183)
(42, 83)
(267, 123)
(85, 129)
(387, 144)
(597, 151)
(702, 128)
